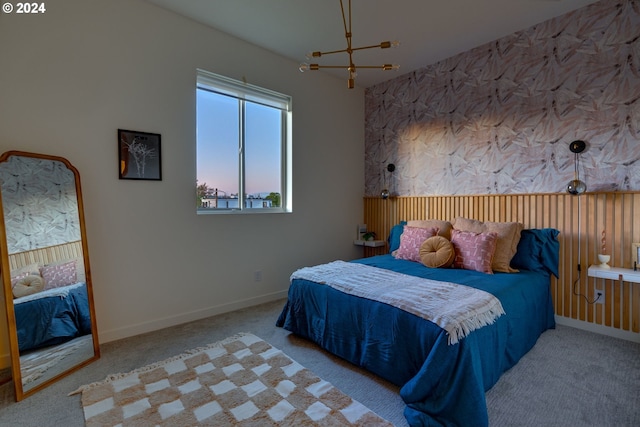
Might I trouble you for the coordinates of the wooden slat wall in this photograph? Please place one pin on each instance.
(580, 220)
(46, 255)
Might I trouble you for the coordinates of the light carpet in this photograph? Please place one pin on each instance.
(240, 381)
(36, 364)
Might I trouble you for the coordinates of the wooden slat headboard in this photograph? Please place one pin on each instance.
(580, 220)
(46, 255)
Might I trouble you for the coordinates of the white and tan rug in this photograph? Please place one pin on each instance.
(241, 381)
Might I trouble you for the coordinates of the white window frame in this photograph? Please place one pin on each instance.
(246, 92)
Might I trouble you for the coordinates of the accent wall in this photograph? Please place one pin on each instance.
(499, 118)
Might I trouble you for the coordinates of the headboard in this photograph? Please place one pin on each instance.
(580, 220)
(49, 255)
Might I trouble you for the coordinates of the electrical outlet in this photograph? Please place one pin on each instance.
(598, 295)
(257, 276)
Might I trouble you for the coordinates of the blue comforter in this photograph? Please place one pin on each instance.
(53, 320)
(441, 384)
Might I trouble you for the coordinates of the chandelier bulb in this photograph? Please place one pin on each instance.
(304, 67)
(388, 44)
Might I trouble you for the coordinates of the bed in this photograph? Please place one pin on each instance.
(52, 317)
(50, 302)
(442, 381)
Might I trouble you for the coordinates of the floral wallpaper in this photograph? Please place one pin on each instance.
(499, 119)
(39, 203)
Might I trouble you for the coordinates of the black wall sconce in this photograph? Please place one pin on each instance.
(576, 186)
(385, 191)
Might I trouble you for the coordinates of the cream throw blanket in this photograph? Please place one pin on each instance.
(457, 309)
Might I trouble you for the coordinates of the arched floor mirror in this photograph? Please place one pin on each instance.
(45, 270)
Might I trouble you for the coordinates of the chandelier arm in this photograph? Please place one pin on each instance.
(334, 51)
(375, 66)
(367, 47)
(333, 66)
(384, 66)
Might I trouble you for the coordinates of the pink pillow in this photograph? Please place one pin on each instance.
(411, 240)
(474, 251)
(59, 275)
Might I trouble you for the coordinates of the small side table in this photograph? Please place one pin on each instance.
(371, 247)
(614, 273)
(369, 243)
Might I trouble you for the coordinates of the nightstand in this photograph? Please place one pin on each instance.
(371, 247)
(614, 273)
(369, 243)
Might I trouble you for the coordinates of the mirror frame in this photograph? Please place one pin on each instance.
(8, 294)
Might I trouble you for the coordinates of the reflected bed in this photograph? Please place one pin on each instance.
(54, 317)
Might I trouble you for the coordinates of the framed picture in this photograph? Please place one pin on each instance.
(139, 155)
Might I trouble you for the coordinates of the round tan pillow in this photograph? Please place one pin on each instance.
(28, 285)
(436, 252)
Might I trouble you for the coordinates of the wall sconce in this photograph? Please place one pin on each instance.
(575, 186)
(385, 192)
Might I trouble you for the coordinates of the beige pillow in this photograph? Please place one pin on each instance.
(437, 251)
(22, 272)
(444, 227)
(508, 238)
(28, 285)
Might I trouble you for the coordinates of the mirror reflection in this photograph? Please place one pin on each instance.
(48, 289)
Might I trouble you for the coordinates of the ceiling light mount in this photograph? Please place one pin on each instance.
(351, 67)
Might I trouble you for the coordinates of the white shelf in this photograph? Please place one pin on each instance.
(370, 243)
(614, 273)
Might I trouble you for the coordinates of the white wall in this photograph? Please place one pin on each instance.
(71, 77)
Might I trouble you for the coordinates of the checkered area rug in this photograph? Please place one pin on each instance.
(241, 381)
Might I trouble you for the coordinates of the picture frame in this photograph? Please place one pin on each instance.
(139, 155)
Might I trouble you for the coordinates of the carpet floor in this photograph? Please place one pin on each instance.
(570, 378)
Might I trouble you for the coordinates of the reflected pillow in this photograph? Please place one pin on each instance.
(411, 240)
(474, 251)
(28, 285)
(57, 275)
(22, 272)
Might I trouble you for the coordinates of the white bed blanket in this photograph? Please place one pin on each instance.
(61, 292)
(457, 309)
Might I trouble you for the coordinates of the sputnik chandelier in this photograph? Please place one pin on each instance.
(351, 67)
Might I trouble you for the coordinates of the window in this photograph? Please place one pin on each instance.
(243, 147)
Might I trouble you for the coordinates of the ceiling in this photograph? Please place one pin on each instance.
(429, 30)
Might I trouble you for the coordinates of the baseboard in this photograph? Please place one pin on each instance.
(156, 324)
(599, 329)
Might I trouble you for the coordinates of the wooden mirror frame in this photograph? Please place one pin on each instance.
(5, 269)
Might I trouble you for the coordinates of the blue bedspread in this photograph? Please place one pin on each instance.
(53, 320)
(441, 384)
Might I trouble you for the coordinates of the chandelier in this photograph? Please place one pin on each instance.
(351, 67)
